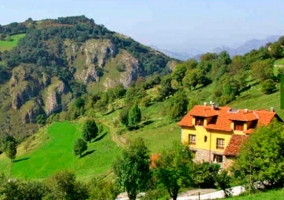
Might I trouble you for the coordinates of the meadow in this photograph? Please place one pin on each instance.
(51, 150)
(8, 45)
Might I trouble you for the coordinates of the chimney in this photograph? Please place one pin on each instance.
(272, 109)
(246, 110)
(212, 105)
(205, 103)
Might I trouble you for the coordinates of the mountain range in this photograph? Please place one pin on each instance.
(241, 50)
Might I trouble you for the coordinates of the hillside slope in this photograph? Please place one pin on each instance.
(57, 60)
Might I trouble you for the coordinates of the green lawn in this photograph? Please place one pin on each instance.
(270, 195)
(8, 45)
(52, 151)
(160, 132)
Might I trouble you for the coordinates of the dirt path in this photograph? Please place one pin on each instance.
(119, 140)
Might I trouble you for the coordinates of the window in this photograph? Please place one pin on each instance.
(199, 121)
(217, 158)
(192, 139)
(205, 138)
(220, 143)
(239, 126)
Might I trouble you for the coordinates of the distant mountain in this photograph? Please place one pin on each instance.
(181, 55)
(246, 47)
(196, 54)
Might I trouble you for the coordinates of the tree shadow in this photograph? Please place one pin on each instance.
(101, 137)
(87, 153)
(147, 122)
(22, 159)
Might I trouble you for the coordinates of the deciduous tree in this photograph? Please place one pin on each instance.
(80, 146)
(261, 157)
(63, 185)
(11, 150)
(173, 169)
(134, 116)
(132, 169)
(90, 130)
(268, 86)
(179, 105)
(262, 69)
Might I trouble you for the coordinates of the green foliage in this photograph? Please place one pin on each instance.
(262, 69)
(11, 150)
(261, 158)
(121, 67)
(173, 169)
(41, 119)
(205, 174)
(268, 86)
(79, 102)
(166, 87)
(132, 168)
(281, 40)
(134, 116)
(179, 73)
(123, 115)
(134, 93)
(224, 58)
(118, 91)
(63, 185)
(179, 103)
(158, 193)
(102, 189)
(255, 55)
(14, 189)
(275, 50)
(223, 181)
(238, 65)
(146, 101)
(5, 140)
(90, 130)
(208, 57)
(80, 146)
(190, 79)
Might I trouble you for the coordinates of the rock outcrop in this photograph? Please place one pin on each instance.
(90, 58)
(52, 97)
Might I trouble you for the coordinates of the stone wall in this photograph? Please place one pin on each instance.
(202, 155)
(228, 161)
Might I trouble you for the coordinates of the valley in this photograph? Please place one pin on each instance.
(56, 74)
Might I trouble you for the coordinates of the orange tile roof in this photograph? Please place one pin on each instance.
(203, 111)
(265, 117)
(233, 147)
(243, 115)
(249, 131)
(186, 121)
(225, 115)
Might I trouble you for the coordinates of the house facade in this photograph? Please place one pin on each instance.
(215, 134)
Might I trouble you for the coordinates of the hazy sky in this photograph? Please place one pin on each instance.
(169, 24)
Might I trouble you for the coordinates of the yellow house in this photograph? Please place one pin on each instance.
(214, 134)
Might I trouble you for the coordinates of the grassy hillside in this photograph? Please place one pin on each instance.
(255, 99)
(51, 150)
(8, 45)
